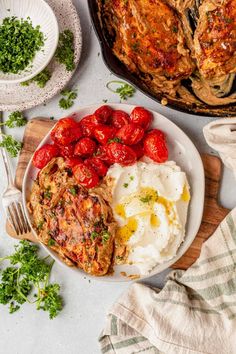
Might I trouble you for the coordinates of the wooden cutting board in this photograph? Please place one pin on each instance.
(37, 128)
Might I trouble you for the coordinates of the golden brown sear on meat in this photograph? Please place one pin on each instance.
(215, 38)
(75, 222)
(150, 41)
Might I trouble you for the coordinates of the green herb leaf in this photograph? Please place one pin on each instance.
(125, 90)
(65, 50)
(28, 273)
(125, 185)
(105, 236)
(15, 119)
(19, 42)
(51, 242)
(68, 99)
(115, 140)
(146, 199)
(11, 145)
(73, 190)
(41, 79)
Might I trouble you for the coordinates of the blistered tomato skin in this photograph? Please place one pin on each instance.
(66, 131)
(44, 155)
(119, 119)
(122, 154)
(103, 113)
(85, 147)
(88, 125)
(73, 161)
(142, 117)
(130, 134)
(67, 151)
(157, 132)
(102, 154)
(98, 165)
(155, 148)
(104, 133)
(85, 175)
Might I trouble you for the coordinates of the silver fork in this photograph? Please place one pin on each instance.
(12, 199)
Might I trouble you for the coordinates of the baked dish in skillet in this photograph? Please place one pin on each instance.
(180, 52)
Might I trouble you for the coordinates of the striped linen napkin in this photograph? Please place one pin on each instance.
(195, 312)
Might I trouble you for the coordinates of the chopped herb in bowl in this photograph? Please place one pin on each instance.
(19, 42)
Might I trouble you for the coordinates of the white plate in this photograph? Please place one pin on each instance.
(41, 14)
(181, 150)
(15, 97)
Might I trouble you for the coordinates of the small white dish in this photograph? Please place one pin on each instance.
(181, 150)
(41, 14)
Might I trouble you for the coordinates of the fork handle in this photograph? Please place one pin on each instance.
(7, 166)
(6, 161)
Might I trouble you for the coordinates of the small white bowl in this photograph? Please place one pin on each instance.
(40, 13)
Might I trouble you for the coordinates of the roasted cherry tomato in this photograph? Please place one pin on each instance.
(157, 132)
(119, 118)
(44, 155)
(85, 175)
(85, 147)
(103, 113)
(138, 149)
(67, 151)
(104, 133)
(122, 154)
(102, 154)
(155, 148)
(130, 134)
(66, 131)
(88, 124)
(98, 165)
(142, 117)
(73, 161)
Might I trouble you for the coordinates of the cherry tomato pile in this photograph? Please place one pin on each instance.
(105, 137)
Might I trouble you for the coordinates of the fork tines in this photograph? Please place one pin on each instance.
(17, 218)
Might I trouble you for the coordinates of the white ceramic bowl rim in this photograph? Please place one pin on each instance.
(53, 48)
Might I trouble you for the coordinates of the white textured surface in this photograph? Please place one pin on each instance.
(76, 330)
(17, 97)
(41, 14)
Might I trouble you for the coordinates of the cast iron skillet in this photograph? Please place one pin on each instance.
(119, 69)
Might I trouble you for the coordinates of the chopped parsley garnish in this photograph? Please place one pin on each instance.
(51, 118)
(27, 280)
(125, 185)
(175, 29)
(15, 119)
(131, 178)
(146, 199)
(115, 140)
(124, 90)
(12, 145)
(73, 191)
(51, 242)
(19, 42)
(41, 79)
(68, 99)
(40, 225)
(104, 101)
(65, 50)
(47, 194)
(105, 236)
(94, 235)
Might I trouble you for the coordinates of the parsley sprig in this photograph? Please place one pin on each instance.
(68, 99)
(124, 90)
(28, 274)
(13, 146)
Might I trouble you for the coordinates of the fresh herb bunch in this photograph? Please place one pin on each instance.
(27, 274)
(65, 50)
(19, 42)
(41, 79)
(124, 90)
(68, 99)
